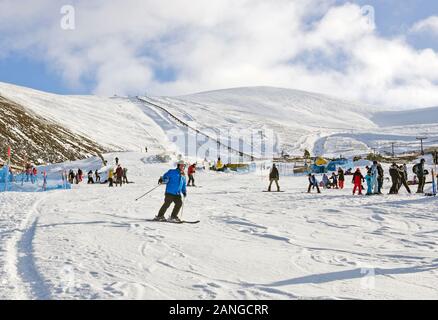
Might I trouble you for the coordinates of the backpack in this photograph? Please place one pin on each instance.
(415, 168)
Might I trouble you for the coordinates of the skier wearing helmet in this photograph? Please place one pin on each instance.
(176, 184)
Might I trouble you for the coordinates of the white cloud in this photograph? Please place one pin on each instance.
(427, 25)
(124, 45)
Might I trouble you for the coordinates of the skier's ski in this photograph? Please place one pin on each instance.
(274, 191)
(184, 222)
(175, 222)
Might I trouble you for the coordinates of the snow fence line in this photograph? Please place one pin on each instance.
(27, 183)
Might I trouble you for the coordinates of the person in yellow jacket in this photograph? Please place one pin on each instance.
(219, 165)
(111, 177)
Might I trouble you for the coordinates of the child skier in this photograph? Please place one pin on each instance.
(341, 178)
(175, 181)
(357, 180)
(111, 178)
(334, 179)
(369, 181)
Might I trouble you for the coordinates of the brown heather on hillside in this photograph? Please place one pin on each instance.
(38, 140)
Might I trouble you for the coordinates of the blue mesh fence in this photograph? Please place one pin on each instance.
(22, 182)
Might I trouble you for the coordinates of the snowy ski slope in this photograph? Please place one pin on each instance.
(93, 242)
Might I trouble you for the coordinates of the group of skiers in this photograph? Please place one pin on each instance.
(31, 173)
(374, 179)
(176, 183)
(93, 177)
(336, 181)
(399, 177)
(75, 177)
(118, 176)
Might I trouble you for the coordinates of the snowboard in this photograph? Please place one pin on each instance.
(168, 221)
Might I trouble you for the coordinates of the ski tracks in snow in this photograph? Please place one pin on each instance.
(20, 274)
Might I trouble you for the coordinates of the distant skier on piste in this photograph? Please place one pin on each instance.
(176, 184)
(274, 176)
(313, 183)
(419, 172)
(191, 172)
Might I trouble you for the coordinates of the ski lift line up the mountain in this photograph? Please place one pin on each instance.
(219, 143)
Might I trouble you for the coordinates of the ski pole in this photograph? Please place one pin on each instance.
(148, 192)
(182, 208)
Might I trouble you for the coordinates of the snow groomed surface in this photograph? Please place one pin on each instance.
(93, 242)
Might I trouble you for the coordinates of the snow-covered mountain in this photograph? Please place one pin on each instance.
(113, 124)
(298, 119)
(219, 123)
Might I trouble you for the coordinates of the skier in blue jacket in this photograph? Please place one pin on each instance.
(176, 184)
(369, 180)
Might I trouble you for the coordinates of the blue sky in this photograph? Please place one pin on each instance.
(180, 43)
(395, 17)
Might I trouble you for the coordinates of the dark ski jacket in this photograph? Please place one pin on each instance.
(274, 175)
(380, 171)
(394, 172)
(419, 169)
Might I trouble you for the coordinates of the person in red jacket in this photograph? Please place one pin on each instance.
(191, 172)
(34, 175)
(357, 180)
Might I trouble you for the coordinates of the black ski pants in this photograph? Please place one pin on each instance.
(168, 200)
